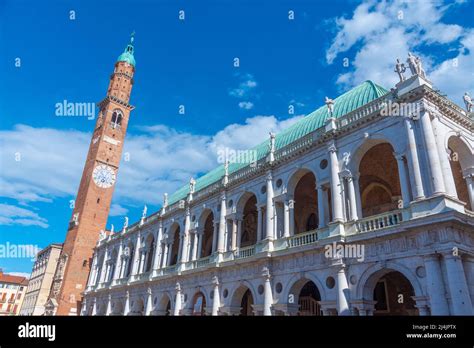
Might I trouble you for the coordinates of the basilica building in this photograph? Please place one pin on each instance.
(363, 207)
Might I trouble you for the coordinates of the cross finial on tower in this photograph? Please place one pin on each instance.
(132, 36)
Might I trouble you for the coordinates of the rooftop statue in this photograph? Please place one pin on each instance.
(468, 102)
(330, 104)
(400, 70)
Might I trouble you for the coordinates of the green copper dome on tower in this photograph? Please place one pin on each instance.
(127, 55)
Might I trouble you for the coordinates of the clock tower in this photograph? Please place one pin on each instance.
(93, 199)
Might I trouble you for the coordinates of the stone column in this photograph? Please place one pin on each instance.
(168, 255)
(435, 285)
(352, 199)
(470, 188)
(335, 185)
(94, 307)
(195, 245)
(267, 294)
(259, 223)
(126, 307)
(164, 262)
(270, 209)
(239, 232)
(321, 214)
(93, 274)
(185, 244)
(457, 284)
(103, 269)
(342, 292)
(149, 302)
(355, 179)
(444, 159)
(141, 265)
(216, 297)
(158, 250)
(177, 305)
(436, 174)
(181, 248)
(413, 162)
(200, 236)
(403, 179)
(291, 217)
(468, 264)
(108, 311)
(286, 219)
(222, 225)
(234, 235)
(118, 263)
(136, 256)
(214, 236)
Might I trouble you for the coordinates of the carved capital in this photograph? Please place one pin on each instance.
(215, 281)
(266, 273)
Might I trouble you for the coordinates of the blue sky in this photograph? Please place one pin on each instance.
(283, 62)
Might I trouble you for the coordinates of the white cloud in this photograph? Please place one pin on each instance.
(117, 210)
(161, 160)
(246, 86)
(246, 105)
(254, 131)
(13, 215)
(380, 32)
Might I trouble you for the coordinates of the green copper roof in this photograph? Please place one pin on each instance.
(345, 103)
(127, 55)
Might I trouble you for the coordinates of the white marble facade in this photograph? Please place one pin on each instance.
(428, 239)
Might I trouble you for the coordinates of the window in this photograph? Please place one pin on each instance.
(116, 118)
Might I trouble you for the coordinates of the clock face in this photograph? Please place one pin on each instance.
(104, 176)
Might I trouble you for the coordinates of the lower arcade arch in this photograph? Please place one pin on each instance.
(392, 293)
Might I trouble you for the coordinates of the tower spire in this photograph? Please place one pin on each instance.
(127, 55)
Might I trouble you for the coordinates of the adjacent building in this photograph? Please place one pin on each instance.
(41, 280)
(12, 293)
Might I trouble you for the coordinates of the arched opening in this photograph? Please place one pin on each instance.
(117, 308)
(175, 246)
(246, 304)
(208, 234)
(393, 295)
(308, 300)
(242, 298)
(461, 161)
(164, 306)
(149, 252)
(249, 223)
(306, 204)
(139, 308)
(379, 182)
(199, 304)
(116, 118)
